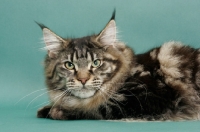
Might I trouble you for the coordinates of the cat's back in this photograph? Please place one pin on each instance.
(173, 61)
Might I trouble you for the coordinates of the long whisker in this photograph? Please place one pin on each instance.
(40, 96)
(36, 98)
(59, 97)
(103, 95)
(29, 95)
(41, 104)
(110, 95)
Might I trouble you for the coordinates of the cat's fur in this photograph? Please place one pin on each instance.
(161, 84)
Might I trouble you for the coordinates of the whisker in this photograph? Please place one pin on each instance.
(108, 93)
(29, 95)
(47, 101)
(41, 104)
(116, 102)
(36, 98)
(106, 105)
(59, 97)
(40, 96)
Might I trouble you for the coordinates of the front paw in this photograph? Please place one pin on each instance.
(44, 112)
(55, 113)
(58, 113)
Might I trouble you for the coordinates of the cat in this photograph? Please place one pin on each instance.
(99, 77)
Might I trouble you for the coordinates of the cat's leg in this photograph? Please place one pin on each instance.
(59, 113)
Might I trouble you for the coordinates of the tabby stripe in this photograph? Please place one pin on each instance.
(89, 56)
(110, 60)
(92, 55)
(74, 58)
(86, 53)
(69, 57)
(95, 56)
(52, 72)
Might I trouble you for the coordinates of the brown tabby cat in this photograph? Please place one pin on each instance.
(98, 77)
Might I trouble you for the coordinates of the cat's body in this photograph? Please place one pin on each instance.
(98, 77)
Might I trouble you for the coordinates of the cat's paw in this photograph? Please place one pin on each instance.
(44, 112)
(57, 113)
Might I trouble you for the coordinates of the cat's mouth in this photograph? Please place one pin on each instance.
(83, 93)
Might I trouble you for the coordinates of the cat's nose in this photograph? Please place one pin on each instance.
(83, 80)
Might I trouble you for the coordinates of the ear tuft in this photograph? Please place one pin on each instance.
(113, 15)
(42, 26)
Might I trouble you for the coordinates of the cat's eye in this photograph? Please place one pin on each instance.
(96, 63)
(69, 65)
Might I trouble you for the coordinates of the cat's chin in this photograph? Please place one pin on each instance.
(83, 93)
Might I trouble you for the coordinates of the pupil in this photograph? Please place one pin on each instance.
(96, 62)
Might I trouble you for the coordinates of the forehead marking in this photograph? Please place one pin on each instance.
(89, 57)
(69, 57)
(74, 57)
(95, 56)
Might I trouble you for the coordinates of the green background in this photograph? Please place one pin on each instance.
(142, 24)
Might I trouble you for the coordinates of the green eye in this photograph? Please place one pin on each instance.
(69, 65)
(96, 63)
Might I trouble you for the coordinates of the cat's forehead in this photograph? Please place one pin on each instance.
(80, 43)
(82, 48)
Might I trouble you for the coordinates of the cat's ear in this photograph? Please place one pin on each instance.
(108, 36)
(52, 41)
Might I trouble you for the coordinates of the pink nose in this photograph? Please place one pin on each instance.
(83, 80)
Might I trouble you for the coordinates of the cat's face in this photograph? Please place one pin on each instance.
(84, 67)
(81, 66)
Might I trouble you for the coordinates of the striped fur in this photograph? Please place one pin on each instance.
(98, 77)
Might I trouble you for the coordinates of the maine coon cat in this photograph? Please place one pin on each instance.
(99, 77)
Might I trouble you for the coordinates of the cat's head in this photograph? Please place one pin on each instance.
(84, 66)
